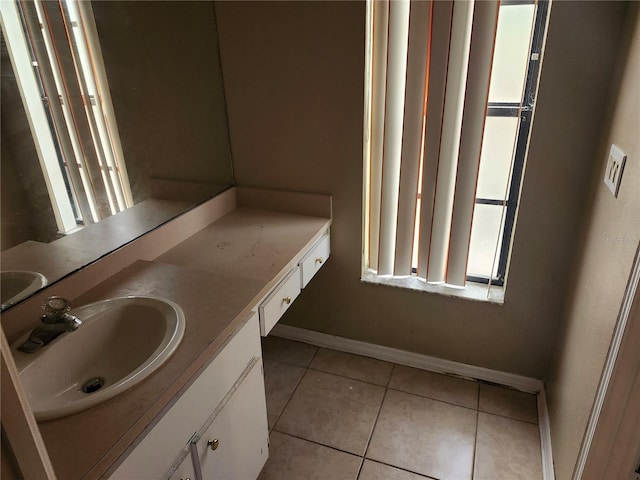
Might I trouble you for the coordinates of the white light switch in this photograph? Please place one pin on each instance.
(615, 167)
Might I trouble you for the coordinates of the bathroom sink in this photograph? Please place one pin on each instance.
(120, 343)
(18, 285)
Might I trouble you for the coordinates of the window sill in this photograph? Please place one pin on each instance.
(473, 291)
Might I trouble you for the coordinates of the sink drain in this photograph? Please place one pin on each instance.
(93, 385)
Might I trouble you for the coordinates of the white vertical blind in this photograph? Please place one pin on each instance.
(419, 23)
(436, 87)
(435, 83)
(485, 21)
(393, 128)
(378, 89)
(60, 35)
(450, 139)
(36, 116)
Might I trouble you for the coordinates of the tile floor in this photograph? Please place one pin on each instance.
(335, 416)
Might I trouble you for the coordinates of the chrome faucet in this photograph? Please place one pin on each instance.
(55, 321)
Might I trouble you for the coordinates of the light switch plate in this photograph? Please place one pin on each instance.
(615, 167)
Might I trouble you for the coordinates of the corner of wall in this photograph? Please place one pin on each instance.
(610, 235)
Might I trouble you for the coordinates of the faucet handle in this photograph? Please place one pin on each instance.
(56, 305)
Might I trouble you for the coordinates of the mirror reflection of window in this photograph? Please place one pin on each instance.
(58, 64)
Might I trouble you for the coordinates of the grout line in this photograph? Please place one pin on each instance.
(288, 399)
(315, 354)
(317, 443)
(393, 367)
(508, 418)
(350, 378)
(360, 468)
(434, 399)
(279, 360)
(475, 438)
(375, 422)
(421, 475)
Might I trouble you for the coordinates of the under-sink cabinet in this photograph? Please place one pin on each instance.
(225, 405)
(228, 447)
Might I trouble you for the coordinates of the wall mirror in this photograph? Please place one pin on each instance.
(162, 67)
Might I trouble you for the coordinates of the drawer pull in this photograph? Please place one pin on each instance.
(287, 300)
(319, 260)
(214, 444)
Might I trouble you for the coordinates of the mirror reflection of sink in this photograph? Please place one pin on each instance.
(121, 342)
(19, 284)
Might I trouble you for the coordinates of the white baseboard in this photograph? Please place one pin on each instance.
(548, 472)
(438, 365)
(402, 357)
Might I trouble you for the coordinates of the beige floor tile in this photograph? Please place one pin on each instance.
(425, 436)
(288, 351)
(352, 366)
(433, 385)
(507, 449)
(280, 380)
(335, 411)
(508, 402)
(378, 471)
(295, 459)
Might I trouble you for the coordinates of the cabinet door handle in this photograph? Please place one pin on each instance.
(319, 260)
(287, 300)
(214, 444)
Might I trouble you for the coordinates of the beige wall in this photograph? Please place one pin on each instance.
(293, 74)
(162, 62)
(611, 236)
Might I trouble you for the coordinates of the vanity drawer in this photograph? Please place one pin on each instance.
(279, 301)
(313, 260)
(153, 456)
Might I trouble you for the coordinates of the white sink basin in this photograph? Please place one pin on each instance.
(120, 343)
(18, 285)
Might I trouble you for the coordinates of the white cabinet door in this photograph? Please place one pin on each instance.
(152, 458)
(239, 434)
(184, 471)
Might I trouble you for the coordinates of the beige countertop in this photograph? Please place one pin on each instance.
(52, 260)
(117, 230)
(217, 276)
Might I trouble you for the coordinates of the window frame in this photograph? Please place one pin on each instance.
(523, 110)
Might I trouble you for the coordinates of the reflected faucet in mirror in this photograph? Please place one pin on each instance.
(56, 321)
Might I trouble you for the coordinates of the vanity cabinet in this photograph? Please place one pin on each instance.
(246, 249)
(226, 402)
(217, 429)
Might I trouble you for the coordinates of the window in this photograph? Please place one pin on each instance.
(58, 65)
(451, 96)
(512, 92)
